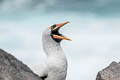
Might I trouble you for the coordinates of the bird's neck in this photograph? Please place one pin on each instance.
(52, 48)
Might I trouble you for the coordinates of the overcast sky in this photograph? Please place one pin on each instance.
(94, 30)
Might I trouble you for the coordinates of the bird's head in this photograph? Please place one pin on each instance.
(53, 32)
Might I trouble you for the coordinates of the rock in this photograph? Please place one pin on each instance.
(13, 69)
(112, 72)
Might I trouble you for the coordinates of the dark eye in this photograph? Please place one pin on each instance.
(53, 26)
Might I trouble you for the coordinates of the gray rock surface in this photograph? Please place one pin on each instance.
(13, 69)
(112, 72)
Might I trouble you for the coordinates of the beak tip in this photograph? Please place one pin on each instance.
(67, 22)
(70, 40)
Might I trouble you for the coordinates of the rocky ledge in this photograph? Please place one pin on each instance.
(13, 69)
(112, 72)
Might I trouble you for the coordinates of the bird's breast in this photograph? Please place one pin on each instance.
(57, 69)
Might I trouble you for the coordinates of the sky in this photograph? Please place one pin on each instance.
(94, 30)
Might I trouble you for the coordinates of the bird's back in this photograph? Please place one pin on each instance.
(40, 69)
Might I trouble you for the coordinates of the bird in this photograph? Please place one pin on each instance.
(55, 66)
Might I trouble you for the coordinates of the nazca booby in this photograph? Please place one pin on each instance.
(55, 66)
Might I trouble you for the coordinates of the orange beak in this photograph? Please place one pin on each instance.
(61, 37)
(60, 25)
(58, 36)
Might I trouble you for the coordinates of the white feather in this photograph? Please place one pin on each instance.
(55, 66)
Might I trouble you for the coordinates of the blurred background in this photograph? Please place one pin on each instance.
(94, 29)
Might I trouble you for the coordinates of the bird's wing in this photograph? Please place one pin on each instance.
(41, 70)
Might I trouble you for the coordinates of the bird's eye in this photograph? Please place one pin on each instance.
(53, 26)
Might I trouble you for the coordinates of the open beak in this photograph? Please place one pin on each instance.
(61, 36)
